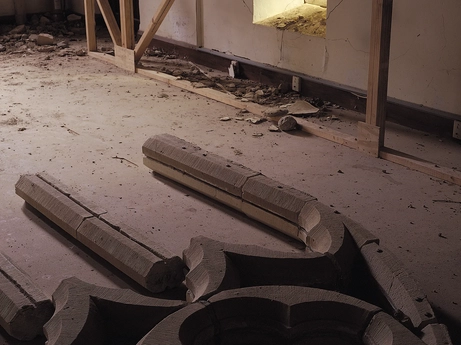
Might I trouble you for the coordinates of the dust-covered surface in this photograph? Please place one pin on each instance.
(84, 121)
(306, 19)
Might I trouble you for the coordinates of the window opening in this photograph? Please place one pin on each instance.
(307, 17)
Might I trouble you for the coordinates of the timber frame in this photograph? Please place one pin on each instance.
(370, 134)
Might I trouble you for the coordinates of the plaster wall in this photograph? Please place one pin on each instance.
(32, 6)
(425, 62)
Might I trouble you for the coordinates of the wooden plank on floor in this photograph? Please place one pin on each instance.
(102, 56)
(149, 33)
(327, 133)
(90, 24)
(421, 165)
(111, 22)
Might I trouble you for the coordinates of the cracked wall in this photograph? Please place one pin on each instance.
(425, 63)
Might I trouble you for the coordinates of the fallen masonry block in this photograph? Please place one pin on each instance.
(216, 266)
(71, 194)
(88, 314)
(24, 309)
(54, 205)
(279, 315)
(360, 235)
(200, 164)
(383, 329)
(400, 289)
(141, 265)
(436, 334)
(149, 265)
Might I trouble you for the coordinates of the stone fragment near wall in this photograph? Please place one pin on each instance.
(24, 309)
(91, 315)
(151, 267)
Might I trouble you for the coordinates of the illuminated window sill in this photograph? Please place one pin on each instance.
(306, 19)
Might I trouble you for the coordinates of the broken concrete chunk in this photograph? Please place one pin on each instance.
(73, 17)
(24, 309)
(287, 123)
(302, 108)
(51, 203)
(18, 30)
(275, 112)
(45, 39)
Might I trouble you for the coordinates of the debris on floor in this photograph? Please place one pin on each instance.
(287, 123)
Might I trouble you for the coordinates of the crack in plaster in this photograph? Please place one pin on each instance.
(246, 5)
(348, 41)
(334, 8)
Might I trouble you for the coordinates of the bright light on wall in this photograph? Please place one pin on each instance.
(304, 16)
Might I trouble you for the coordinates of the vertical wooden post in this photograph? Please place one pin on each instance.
(127, 23)
(111, 22)
(371, 133)
(90, 23)
(199, 22)
(149, 33)
(20, 12)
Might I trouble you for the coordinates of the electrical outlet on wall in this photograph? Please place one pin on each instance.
(296, 84)
(457, 129)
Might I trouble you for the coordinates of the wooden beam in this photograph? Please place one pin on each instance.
(219, 96)
(421, 165)
(149, 33)
(111, 22)
(381, 23)
(124, 58)
(127, 23)
(90, 24)
(199, 22)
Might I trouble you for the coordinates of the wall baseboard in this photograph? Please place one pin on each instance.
(404, 113)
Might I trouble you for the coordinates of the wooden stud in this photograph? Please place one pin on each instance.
(90, 25)
(199, 22)
(381, 23)
(127, 23)
(124, 58)
(111, 22)
(149, 33)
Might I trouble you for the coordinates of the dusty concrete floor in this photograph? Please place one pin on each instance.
(70, 116)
